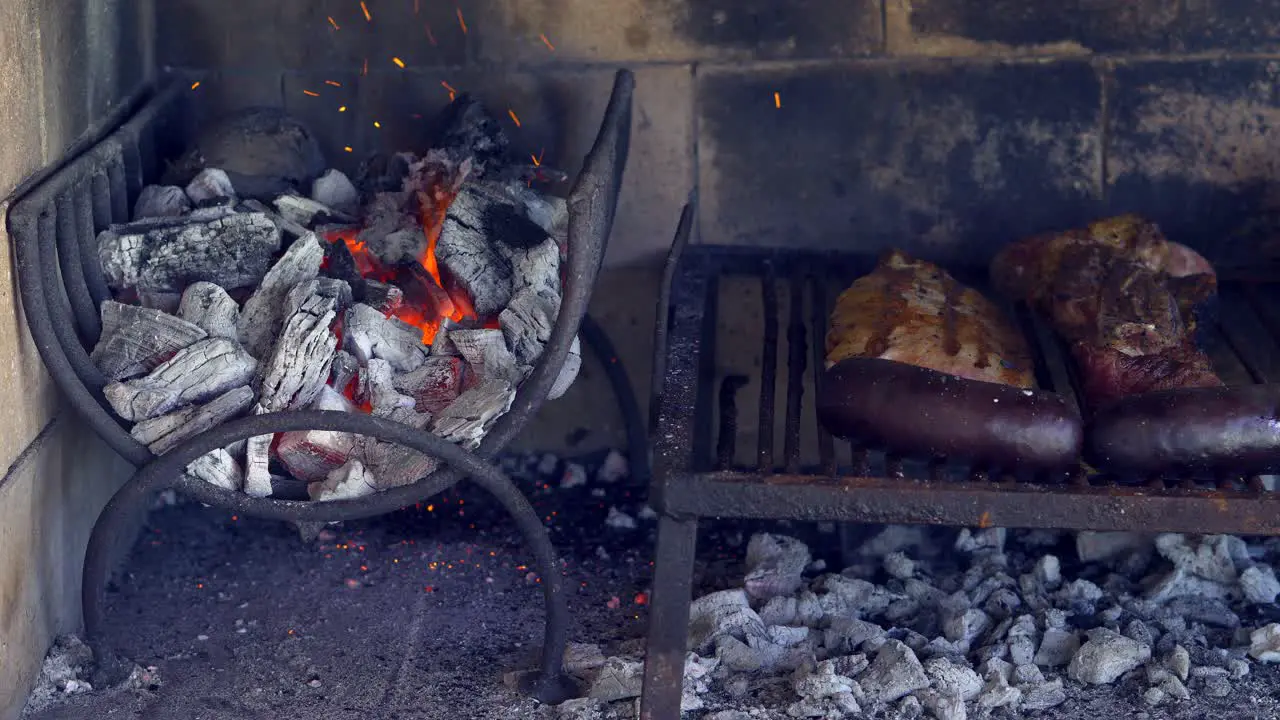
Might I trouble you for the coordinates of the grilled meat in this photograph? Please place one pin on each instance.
(913, 312)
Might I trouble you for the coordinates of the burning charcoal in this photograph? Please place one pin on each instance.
(352, 480)
(136, 340)
(232, 250)
(396, 465)
(367, 334)
(383, 297)
(421, 290)
(260, 319)
(257, 475)
(775, 564)
(336, 191)
(299, 365)
(403, 245)
(569, 372)
(210, 307)
(307, 212)
(466, 420)
(312, 454)
(217, 468)
(441, 344)
(377, 387)
(336, 290)
(164, 433)
(387, 213)
(486, 353)
(333, 401)
(157, 201)
(287, 226)
(526, 323)
(211, 185)
(471, 135)
(536, 267)
(467, 249)
(435, 385)
(263, 150)
(343, 371)
(195, 374)
(384, 173)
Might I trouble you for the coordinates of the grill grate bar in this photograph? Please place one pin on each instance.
(768, 368)
(826, 449)
(796, 366)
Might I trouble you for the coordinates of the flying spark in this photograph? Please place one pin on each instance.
(777, 100)
(334, 23)
(462, 22)
(334, 83)
(342, 108)
(514, 119)
(312, 93)
(365, 8)
(431, 37)
(348, 149)
(399, 63)
(365, 69)
(547, 42)
(195, 85)
(377, 124)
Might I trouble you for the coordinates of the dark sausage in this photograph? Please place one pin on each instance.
(920, 412)
(1233, 429)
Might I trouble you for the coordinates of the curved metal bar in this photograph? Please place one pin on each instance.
(637, 439)
(67, 247)
(58, 309)
(114, 527)
(96, 206)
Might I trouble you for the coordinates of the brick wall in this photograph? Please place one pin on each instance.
(944, 126)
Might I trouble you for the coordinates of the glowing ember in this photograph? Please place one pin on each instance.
(195, 85)
(777, 100)
(547, 42)
(312, 93)
(334, 23)
(334, 83)
(514, 119)
(462, 22)
(365, 8)
(399, 63)
(431, 37)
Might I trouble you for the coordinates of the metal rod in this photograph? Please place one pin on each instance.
(727, 443)
(67, 248)
(668, 618)
(90, 265)
(796, 366)
(826, 445)
(768, 368)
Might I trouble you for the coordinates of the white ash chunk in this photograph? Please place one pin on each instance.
(441, 344)
(195, 374)
(166, 432)
(486, 353)
(536, 268)
(727, 612)
(468, 245)
(396, 465)
(1057, 647)
(582, 658)
(568, 372)
(233, 250)
(468, 419)
(952, 679)
(257, 471)
(210, 185)
(337, 290)
(136, 340)
(619, 679)
(263, 311)
(1264, 643)
(307, 212)
(1259, 584)
(352, 480)
(619, 520)
(1211, 557)
(287, 227)
(845, 595)
(1105, 657)
(526, 323)
(299, 364)
(435, 385)
(368, 334)
(217, 468)
(894, 674)
(942, 706)
(157, 201)
(211, 308)
(844, 634)
(335, 190)
(987, 539)
(377, 385)
(775, 564)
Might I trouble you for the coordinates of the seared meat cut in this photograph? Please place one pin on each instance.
(1123, 296)
(913, 312)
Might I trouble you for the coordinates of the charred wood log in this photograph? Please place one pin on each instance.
(336, 290)
(287, 226)
(383, 297)
(312, 454)
(260, 319)
(136, 340)
(164, 433)
(232, 250)
(299, 364)
(195, 374)
(378, 389)
(211, 308)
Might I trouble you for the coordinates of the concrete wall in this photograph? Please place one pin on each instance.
(63, 65)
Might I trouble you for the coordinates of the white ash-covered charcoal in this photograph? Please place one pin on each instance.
(136, 340)
(527, 321)
(467, 248)
(164, 433)
(257, 462)
(536, 266)
(486, 353)
(422, 291)
(384, 214)
(395, 465)
(467, 419)
(343, 370)
(263, 311)
(287, 226)
(368, 334)
(234, 250)
(157, 201)
(311, 454)
(211, 308)
(307, 212)
(299, 363)
(197, 373)
(333, 401)
(401, 245)
(210, 186)
(471, 135)
(383, 297)
(381, 172)
(441, 344)
(377, 387)
(349, 481)
(434, 385)
(337, 290)
(568, 372)
(335, 190)
(217, 468)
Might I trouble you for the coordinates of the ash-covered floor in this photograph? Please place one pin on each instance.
(420, 615)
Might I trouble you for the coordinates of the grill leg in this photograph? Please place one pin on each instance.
(669, 619)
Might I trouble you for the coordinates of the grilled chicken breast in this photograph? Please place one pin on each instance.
(913, 312)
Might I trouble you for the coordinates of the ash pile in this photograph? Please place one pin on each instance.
(919, 629)
(424, 292)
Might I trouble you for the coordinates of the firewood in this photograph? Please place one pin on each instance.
(486, 353)
(467, 419)
(233, 250)
(197, 373)
(210, 185)
(367, 333)
(260, 319)
(136, 340)
(299, 363)
(210, 307)
(157, 201)
(351, 480)
(217, 468)
(166, 432)
(257, 474)
(434, 385)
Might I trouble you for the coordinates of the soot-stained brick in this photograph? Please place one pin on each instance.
(942, 160)
(796, 28)
(966, 27)
(1196, 146)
